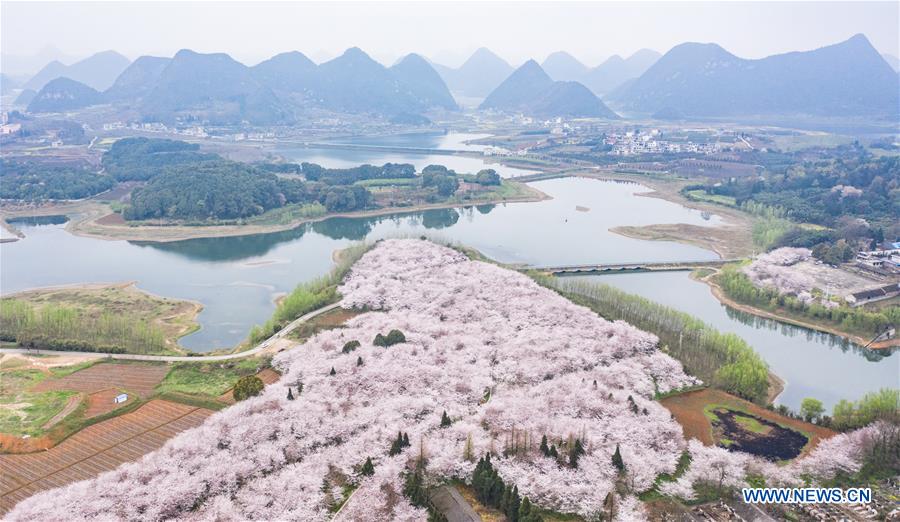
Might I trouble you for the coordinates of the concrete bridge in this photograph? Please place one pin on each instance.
(633, 267)
(541, 176)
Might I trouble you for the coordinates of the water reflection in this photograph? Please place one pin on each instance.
(810, 335)
(812, 363)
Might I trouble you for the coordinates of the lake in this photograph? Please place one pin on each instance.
(811, 363)
(344, 158)
(238, 278)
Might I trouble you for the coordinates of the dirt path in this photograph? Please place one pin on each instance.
(70, 406)
(448, 501)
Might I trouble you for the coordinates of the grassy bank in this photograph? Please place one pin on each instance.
(309, 296)
(858, 324)
(116, 318)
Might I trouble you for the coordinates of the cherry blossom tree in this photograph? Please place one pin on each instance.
(509, 361)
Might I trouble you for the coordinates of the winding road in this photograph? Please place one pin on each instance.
(187, 358)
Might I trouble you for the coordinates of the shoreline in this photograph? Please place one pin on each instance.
(719, 294)
(190, 316)
(84, 220)
(730, 239)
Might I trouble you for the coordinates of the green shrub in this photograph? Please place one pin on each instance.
(393, 337)
(248, 386)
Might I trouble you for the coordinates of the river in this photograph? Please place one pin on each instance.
(812, 364)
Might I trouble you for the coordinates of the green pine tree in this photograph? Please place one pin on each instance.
(545, 450)
(617, 460)
(332, 372)
(368, 469)
(553, 453)
(445, 420)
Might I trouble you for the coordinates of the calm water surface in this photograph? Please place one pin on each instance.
(812, 364)
(338, 158)
(238, 278)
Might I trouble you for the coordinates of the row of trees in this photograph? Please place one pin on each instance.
(65, 328)
(722, 360)
(739, 287)
(881, 405)
(185, 184)
(31, 181)
(314, 172)
(492, 491)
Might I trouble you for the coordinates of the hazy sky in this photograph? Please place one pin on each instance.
(447, 32)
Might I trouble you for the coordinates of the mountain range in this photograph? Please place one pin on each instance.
(219, 89)
(97, 71)
(531, 91)
(605, 77)
(704, 80)
(692, 80)
(478, 76)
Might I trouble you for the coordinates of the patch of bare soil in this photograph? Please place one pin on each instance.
(688, 410)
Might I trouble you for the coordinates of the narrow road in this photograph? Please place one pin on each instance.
(451, 503)
(184, 358)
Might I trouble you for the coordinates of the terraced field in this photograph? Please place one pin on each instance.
(95, 449)
(135, 378)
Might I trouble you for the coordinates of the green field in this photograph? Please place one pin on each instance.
(402, 182)
(701, 195)
(210, 379)
(23, 412)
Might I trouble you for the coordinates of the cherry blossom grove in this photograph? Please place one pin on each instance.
(508, 360)
(772, 270)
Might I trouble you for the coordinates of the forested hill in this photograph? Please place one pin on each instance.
(186, 185)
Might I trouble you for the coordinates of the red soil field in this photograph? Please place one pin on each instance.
(101, 402)
(96, 449)
(133, 378)
(688, 411)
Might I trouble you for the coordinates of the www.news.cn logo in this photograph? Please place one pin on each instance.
(806, 495)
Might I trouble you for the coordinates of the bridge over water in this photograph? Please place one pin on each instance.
(633, 267)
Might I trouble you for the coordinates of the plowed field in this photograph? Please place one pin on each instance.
(95, 449)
